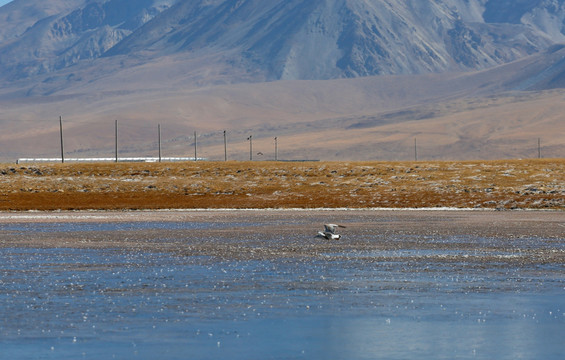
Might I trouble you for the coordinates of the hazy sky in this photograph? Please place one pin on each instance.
(4, 2)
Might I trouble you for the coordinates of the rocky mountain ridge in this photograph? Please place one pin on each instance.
(294, 39)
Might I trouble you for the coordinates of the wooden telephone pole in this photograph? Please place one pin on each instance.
(116, 128)
(62, 145)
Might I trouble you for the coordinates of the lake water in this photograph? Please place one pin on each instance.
(444, 300)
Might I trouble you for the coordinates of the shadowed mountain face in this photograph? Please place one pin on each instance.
(60, 37)
(293, 39)
(497, 11)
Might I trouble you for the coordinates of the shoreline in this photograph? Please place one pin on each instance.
(47, 213)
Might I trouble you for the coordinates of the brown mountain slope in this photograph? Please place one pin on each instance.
(479, 115)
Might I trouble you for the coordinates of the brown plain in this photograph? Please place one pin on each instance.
(503, 184)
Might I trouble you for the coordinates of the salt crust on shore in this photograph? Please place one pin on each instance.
(103, 214)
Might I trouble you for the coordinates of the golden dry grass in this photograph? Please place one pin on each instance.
(504, 184)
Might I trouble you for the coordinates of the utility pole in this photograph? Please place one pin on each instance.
(61, 132)
(195, 157)
(250, 139)
(159, 141)
(539, 148)
(225, 147)
(276, 149)
(415, 150)
(116, 140)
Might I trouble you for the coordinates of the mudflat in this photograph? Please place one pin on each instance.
(536, 236)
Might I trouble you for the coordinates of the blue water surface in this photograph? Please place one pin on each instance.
(68, 303)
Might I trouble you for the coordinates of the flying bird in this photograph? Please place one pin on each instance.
(330, 232)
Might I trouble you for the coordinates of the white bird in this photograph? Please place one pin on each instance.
(329, 232)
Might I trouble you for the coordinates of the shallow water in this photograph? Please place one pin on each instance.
(114, 226)
(444, 300)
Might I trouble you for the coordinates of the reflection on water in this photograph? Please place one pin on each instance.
(391, 304)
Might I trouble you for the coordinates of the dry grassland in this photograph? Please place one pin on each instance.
(508, 184)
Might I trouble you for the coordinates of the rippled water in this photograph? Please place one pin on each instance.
(69, 303)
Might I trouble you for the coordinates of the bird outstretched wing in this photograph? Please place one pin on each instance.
(331, 228)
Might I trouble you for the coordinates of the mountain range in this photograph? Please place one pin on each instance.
(293, 68)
